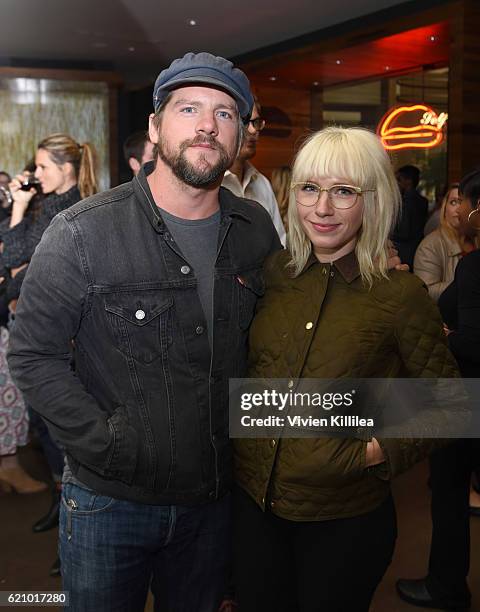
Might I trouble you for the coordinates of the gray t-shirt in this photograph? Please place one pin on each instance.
(198, 243)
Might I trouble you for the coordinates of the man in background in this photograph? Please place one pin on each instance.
(137, 150)
(408, 232)
(245, 181)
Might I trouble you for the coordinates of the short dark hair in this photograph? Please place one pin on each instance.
(411, 173)
(5, 173)
(134, 145)
(469, 187)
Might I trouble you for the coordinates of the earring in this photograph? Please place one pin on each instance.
(476, 228)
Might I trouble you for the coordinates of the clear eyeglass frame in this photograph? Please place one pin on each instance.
(345, 202)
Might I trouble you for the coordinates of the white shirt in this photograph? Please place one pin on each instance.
(256, 187)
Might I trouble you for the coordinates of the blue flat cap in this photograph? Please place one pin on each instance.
(205, 68)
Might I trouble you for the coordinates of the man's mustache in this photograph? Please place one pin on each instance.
(199, 140)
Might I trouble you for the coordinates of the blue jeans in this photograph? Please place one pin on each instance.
(113, 550)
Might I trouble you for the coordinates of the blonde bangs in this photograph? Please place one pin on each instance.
(356, 156)
(334, 153)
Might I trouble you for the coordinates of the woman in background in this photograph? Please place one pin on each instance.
(453, 499)
(66, 173)
(439, 252)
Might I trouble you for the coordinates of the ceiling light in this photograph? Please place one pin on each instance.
(315, 83)
(433, 38)
(338, 62)
(192, 22)
(387, 67)
(131, 48)
(273, 78)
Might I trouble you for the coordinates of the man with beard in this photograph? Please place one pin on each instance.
(154, 283)
(245, 181)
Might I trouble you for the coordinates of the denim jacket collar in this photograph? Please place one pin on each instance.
(230, 205)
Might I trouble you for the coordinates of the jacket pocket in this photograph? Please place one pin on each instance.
(251, 286)
(124, 449)
(141, 322)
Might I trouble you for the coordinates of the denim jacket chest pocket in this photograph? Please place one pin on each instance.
(141, 323)
(251, 286)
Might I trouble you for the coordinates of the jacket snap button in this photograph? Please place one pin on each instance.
(185, 269)
(309, 325)
(290, 384)
(272, 443)
(140, 314)
(199, 330)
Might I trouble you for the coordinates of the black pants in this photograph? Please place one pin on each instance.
(324, 566)
(450, 473)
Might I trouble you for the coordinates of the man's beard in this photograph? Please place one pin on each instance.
(203, 176)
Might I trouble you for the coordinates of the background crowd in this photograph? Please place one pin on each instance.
(440, 248)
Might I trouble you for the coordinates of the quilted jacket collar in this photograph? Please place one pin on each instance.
(346, 265)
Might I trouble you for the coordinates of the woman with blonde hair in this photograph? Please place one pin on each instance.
(440, 251)
(314, 517)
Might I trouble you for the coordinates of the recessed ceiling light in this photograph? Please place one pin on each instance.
(433, 38)
(338, 62)
(192, 22)
(387, 67)
(273, 78)
(316, 83)
(131, 48)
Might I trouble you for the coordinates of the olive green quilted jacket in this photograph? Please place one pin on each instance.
(327, 324)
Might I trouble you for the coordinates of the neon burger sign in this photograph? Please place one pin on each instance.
(412, 127)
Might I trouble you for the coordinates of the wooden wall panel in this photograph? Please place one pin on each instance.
(278, 150)
(464, 91)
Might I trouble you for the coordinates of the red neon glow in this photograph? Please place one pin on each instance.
(429, 128)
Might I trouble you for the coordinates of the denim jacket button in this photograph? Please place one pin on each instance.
(185, 269)
(140, 315)
(199, 330)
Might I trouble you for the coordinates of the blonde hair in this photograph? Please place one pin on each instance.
(281, 188)
(357, 155)
(63, 149)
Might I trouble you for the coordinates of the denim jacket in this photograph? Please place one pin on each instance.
(144, 416)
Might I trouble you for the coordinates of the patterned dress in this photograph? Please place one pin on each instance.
(13, 413)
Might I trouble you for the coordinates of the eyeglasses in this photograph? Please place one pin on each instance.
(258, 123)
(339, 196)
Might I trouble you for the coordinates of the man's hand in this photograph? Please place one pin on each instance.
(394, 261)
(375, 454)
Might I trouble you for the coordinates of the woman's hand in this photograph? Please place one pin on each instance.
(15, 271)
(21, 199)
(446, 330)
(394, 260)
(375, 454)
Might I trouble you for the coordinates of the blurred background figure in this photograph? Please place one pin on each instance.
(13, 430)
(137, 150)
(5, 198)
(281, 178)
(64, 171)
(433, 220)
(408, 232)
(440, 251)
(453, 499)
(245, 181)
